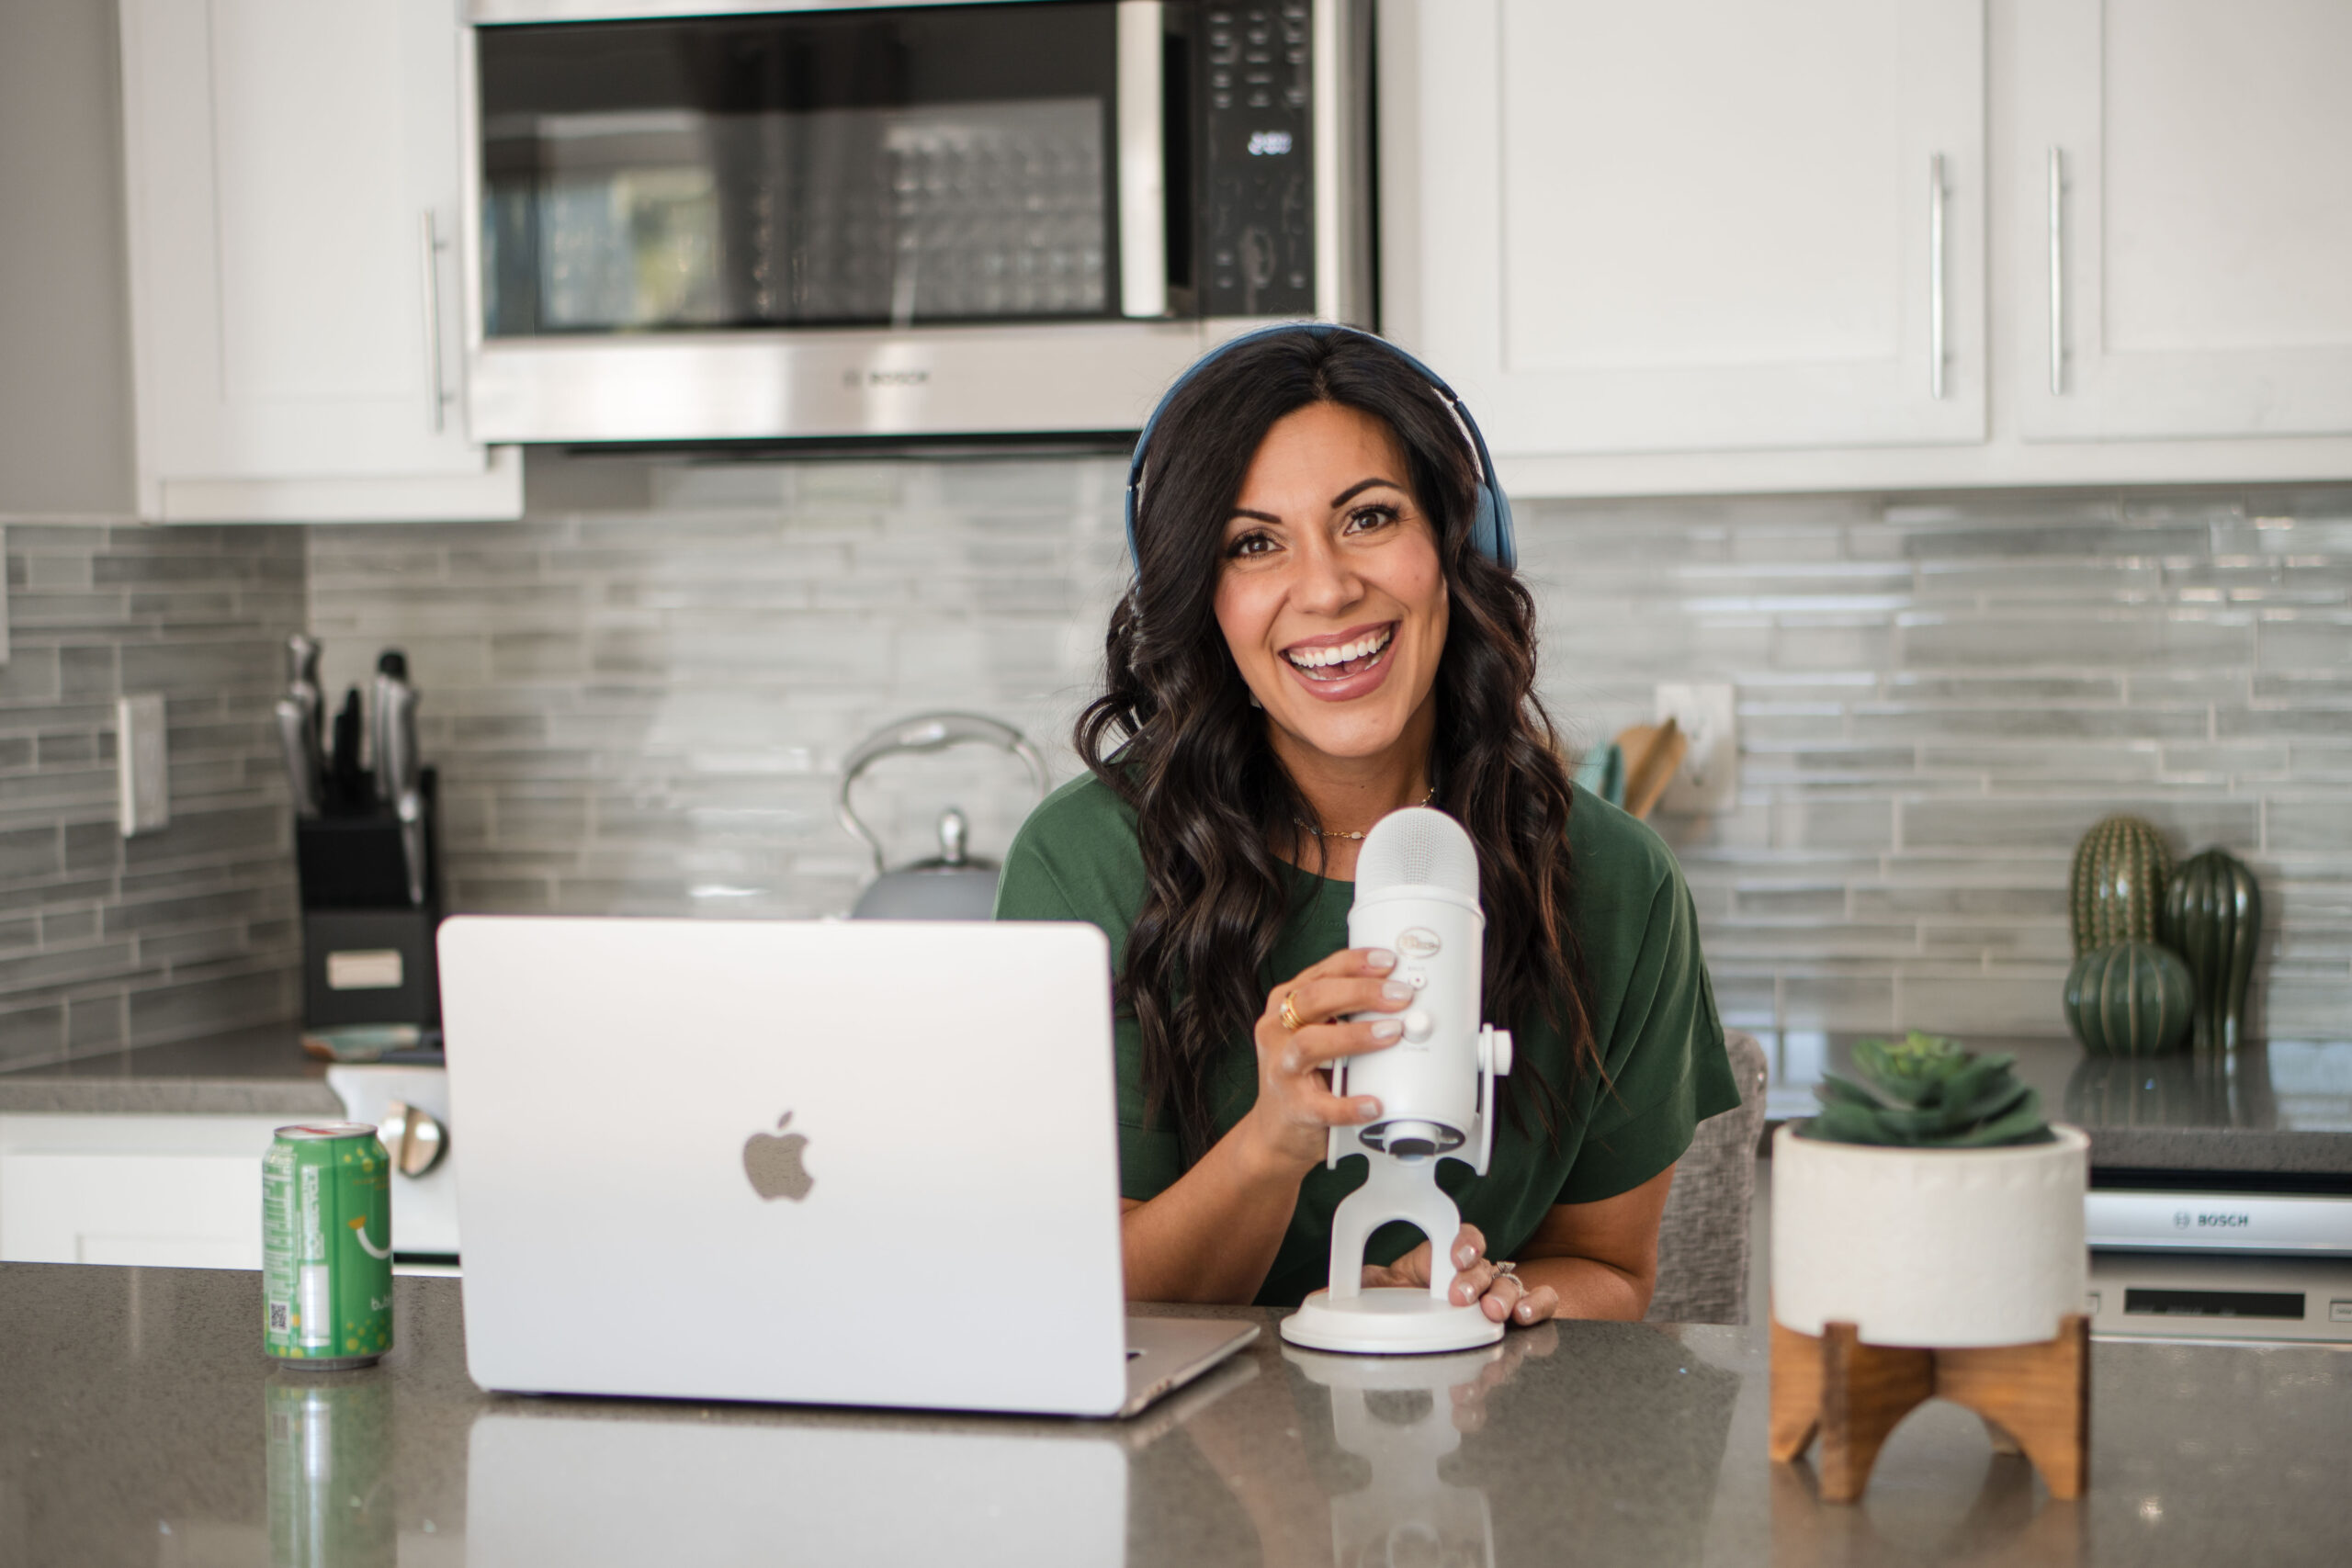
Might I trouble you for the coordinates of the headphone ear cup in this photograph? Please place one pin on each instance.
(1490, 527)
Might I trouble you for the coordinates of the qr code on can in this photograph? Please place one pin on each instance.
(280, 1313)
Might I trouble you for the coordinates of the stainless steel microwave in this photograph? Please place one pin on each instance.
(707, 221)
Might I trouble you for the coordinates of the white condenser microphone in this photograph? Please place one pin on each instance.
(1416, 895)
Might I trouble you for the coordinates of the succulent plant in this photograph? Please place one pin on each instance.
(1925, 1092)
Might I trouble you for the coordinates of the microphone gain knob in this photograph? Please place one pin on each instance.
(1419, 1026)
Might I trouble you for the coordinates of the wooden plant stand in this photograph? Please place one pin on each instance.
(2036, 1396)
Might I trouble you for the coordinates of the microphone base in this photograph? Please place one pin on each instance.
(1388, 1321)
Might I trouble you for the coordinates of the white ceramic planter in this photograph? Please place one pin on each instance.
(1937, 1247)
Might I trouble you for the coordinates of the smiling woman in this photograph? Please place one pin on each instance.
(1325, 627)
(1299, 557)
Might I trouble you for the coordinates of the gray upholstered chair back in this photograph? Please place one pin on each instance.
(1702, 1238)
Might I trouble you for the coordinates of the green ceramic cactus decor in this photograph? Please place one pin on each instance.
(2117, 891)
(1927, 1093)
(2213, 919)
(2131, 1000)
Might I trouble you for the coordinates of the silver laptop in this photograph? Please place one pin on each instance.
(867, 1163)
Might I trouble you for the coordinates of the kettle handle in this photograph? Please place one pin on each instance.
(931, 733)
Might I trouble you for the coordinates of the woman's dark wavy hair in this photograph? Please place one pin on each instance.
(1175, 736)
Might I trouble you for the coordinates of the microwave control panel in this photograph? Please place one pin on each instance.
(1258, 229)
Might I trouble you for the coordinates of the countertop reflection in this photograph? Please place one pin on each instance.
(143, 1426)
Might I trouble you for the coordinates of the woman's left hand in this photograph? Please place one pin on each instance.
(1503, 1297)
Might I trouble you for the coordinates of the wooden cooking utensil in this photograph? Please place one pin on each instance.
(1653, 752)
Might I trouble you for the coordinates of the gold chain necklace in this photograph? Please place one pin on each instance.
(1328, 833)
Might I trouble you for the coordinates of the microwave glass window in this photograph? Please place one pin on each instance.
(855, 169)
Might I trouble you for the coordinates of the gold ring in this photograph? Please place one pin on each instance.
(1291, 1021)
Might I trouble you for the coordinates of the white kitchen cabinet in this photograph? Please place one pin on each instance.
(1692, 224)
(292, 185)
(2178, 246)
(169, 1191)
(1687, 247)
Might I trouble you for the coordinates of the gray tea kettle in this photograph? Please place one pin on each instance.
(952, 885)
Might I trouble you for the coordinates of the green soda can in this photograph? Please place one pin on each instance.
(326, 1230)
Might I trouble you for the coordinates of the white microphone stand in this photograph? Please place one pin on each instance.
(1391, 1320)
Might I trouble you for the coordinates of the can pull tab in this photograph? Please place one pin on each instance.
(413, 1138)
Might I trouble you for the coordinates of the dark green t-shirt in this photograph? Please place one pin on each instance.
(1654, 1014)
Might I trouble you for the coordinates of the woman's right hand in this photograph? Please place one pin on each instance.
(1295, 1111)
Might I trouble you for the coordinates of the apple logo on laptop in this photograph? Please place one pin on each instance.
(772, 1162)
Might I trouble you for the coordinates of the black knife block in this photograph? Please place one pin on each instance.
(367, 953)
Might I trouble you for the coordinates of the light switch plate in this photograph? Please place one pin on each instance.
(1708, 780)
(142, 777)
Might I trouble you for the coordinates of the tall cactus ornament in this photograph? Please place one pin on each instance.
(2116, 890)
(2213, 920)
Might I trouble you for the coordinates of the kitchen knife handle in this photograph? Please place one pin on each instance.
(314, 756)
(313, 706)
(380, 741)
(1935, 277)
(408, 768)
(302, 685)
(408, 777)
(294, 739)
(411, 811)
(301, 661)
(399, 775)
(349, 780)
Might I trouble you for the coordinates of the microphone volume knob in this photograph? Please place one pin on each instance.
(1419, 1026)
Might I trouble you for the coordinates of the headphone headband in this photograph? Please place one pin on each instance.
(1490, 531)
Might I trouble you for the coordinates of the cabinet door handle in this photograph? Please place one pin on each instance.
(2057, 277)
(1143, 163)
(431, 251)
(1936, 275)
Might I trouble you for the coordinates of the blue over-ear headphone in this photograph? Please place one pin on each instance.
(1490, 523)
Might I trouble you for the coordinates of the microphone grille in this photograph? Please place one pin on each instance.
(1417, 847)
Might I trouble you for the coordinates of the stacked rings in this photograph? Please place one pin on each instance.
(1291, 1021)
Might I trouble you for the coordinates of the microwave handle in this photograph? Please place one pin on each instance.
(1143, 162)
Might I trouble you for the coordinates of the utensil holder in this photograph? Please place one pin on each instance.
(352, 860)
(367, 951)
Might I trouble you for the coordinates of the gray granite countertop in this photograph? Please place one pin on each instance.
(2285, 1106)
(145, 1425)
(251, 1072)
(2282, 1106)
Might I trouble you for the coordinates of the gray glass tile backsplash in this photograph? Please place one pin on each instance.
(637, 697)
(1938, 696)
(105, 940)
